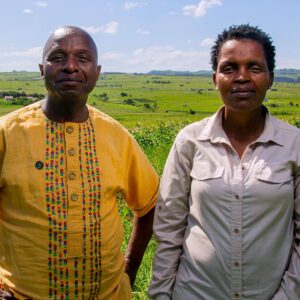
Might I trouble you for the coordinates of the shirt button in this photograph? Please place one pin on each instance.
(237, 197)
(243, 168)
(71, 151)
(236, 295)
(236, 264)
(71, 175)
(74, 197)
(69, 129)
(39, 165)
(236, 230)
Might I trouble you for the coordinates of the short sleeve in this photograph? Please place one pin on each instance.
(141, 181)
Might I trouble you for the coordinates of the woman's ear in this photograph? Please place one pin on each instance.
(271, 80)
(215, 81)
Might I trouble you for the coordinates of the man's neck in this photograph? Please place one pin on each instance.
(65, 111)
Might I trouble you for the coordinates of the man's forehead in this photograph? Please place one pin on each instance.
(70, 38)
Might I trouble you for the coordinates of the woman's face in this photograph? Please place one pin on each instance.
(242, 75)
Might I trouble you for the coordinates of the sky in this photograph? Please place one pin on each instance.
(140, 36)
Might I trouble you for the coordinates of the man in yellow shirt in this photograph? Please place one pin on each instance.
(62, 165)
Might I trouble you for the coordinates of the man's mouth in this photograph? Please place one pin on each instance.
(69, 80)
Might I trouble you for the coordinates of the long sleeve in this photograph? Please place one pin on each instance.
(170, 221)
(290, 285)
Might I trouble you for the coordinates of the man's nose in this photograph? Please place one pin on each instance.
(70, 65)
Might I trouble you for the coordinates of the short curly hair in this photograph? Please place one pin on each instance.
(244, 31)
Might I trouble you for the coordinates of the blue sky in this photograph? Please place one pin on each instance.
(139, 36)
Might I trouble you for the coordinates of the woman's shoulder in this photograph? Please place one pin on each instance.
(193, 130)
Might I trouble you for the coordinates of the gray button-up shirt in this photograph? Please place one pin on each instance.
(229, 228)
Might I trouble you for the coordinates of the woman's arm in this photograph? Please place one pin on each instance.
(290, 284)
(170, 221)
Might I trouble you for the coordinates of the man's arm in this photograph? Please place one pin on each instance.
(140, 236)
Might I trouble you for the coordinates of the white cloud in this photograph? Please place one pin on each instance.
(42, 4)
(167, 57)
(207, 42)
(131, 5)
(109, 28)
(27, 11)
(12, 59)
(142, 31)
(201, 8)
(155, 58)
(35, 52)
(111, 56)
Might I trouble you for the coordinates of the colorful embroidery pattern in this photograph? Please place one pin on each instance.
(73, 277)
(92, 197)
(57, 211)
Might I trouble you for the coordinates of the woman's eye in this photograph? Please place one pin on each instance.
(255, 69)
(228, 69)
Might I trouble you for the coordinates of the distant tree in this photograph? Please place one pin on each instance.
(123, 94)
(104, 97)
(129, 102)
(147, 105)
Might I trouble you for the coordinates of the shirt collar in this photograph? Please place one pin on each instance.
(214, 132)
(270, 132)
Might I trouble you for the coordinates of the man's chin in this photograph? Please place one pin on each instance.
(71, 94)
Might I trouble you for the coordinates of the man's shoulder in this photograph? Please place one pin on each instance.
(21, 114)
(99, 117)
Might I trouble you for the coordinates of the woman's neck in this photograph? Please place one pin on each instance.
(243, 128)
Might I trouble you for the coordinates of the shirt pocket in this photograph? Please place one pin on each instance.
(206, 170)
(274, 173)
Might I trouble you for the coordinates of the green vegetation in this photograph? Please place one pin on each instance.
(154, 108)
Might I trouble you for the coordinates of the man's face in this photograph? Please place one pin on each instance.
(70, 69)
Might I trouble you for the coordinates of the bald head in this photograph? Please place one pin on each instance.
(64, 33)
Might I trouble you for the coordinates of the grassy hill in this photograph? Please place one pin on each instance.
(146, 99)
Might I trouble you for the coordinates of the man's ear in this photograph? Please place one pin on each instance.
(98, 71)
(41, 69)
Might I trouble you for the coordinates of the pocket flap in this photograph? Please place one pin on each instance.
(204, 170)
(276, 173)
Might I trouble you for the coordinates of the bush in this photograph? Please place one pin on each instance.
(129, 102)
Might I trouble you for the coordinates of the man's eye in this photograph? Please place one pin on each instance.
(57, 58)
(83, 58)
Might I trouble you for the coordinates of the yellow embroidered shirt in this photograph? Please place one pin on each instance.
(60, 231)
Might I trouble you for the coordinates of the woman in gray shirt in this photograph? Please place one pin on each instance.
(228, 215)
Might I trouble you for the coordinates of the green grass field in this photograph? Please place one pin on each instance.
(154, 109)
